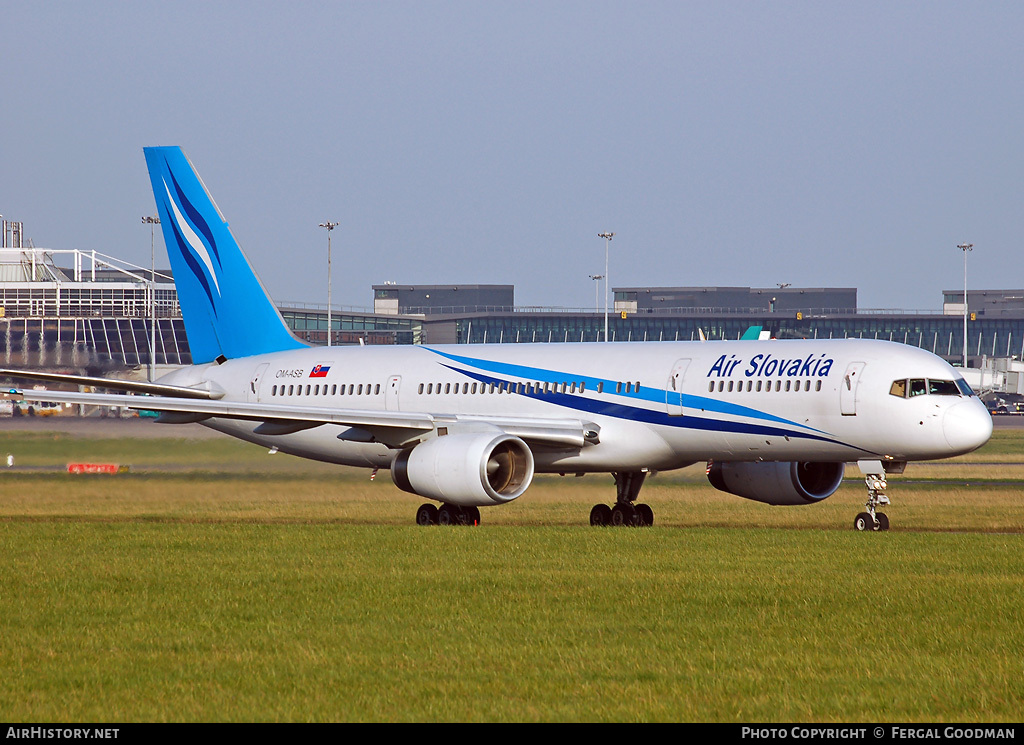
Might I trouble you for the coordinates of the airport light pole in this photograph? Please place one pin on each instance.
(597, 279)
(330, 226)
(152, 222)
(607, 239)
(965, 247)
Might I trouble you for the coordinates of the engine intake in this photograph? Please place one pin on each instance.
(466, 469)
(778, 483)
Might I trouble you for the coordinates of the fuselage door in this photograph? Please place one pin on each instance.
(848, 389)
(674, 389)
(252, 394)
(391, 394)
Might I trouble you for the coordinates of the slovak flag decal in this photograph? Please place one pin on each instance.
(320, 371)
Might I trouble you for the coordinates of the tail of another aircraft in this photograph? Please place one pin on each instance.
(226, 310)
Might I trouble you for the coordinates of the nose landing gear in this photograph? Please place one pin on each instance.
(871, 518)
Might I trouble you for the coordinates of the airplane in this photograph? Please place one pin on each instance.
(466, 427)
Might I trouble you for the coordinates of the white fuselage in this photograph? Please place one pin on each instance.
(655, 406)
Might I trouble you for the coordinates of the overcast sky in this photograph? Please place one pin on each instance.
(725, 143)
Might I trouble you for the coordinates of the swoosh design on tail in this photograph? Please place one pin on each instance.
(195, 217)
(187, 237)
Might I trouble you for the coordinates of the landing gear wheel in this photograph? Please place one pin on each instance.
(448, 515)
(623, 513)
(644, 515)
(426, 515)
(864, 521)
(601, 515)
(882, 520)
(453, 514)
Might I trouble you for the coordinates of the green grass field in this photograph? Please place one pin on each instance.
(216, 583)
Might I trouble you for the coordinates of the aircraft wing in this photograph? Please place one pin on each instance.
(393, 428)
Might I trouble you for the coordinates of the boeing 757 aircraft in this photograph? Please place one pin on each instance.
(469, 426)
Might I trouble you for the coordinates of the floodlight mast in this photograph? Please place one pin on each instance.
(965, 247)
(597, 286)
(152, 222)
(607, 239)
(329, 226)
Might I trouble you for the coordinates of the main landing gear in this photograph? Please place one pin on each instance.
(627, 487)
(447, 514)
(871, 519)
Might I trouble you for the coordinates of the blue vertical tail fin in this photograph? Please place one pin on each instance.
(226, 310)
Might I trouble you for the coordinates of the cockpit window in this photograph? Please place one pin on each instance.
(964, 388)
(920, 387)
(943, 388)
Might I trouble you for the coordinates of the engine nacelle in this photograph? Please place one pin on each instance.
(778, 483)
(466, 469)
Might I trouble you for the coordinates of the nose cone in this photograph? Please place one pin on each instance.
(967, 426)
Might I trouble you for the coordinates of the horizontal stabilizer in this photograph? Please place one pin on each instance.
(133, 386)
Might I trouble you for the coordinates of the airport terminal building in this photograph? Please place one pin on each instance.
(995, 321)
(69, 309)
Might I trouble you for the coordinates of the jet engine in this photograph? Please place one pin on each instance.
(470, 469)
(778, 483)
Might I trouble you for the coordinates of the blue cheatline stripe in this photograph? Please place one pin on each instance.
(654, 395)
(648, 416)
